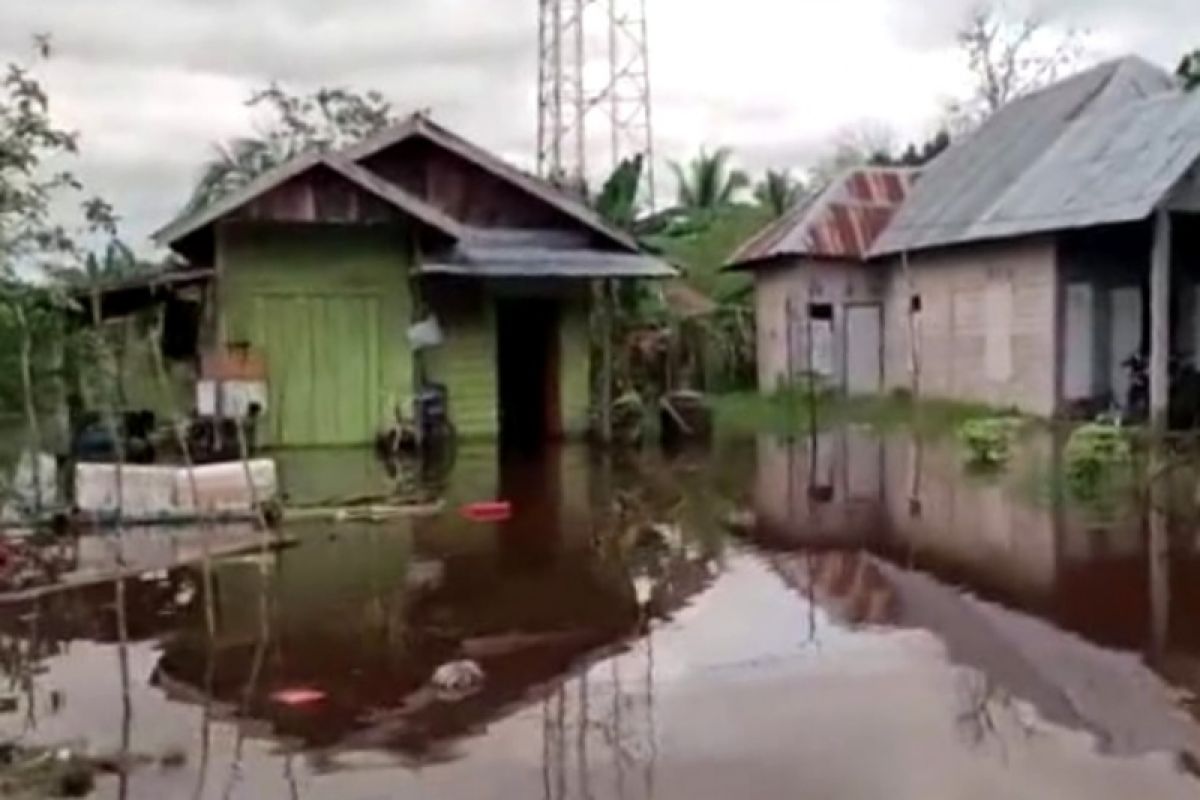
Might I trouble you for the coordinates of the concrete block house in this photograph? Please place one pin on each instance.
(1023, 267)
(321, 267)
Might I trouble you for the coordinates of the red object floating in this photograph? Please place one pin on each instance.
(298, 697)
(488, 512)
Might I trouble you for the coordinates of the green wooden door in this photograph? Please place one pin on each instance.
(322, 353)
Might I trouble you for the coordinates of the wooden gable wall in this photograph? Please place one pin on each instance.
(318, 195)
(463, 190)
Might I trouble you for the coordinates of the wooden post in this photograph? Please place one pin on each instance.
(606, 362)
(914, 328)
(789, 317)
(1160, 321)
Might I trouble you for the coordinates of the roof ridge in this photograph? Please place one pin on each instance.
(1081, 114)
(420, 123)
(394, 194)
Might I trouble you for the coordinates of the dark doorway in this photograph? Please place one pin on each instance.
(528, 355)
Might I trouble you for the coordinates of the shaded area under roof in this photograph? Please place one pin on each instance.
(137, 292)
(1058, 158)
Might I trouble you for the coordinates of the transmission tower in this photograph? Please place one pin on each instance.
(594, 87)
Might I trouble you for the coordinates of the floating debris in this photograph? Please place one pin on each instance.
(457, 680)
(298, 697)
(498, 511)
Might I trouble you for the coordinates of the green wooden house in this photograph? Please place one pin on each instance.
(324, 264)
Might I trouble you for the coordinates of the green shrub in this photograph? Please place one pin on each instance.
(1097, 457)
(988, 441)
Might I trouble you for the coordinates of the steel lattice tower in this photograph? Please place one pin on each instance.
(593, 88)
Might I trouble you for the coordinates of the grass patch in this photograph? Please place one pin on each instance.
(792, 412)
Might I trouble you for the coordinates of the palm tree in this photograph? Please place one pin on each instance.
(114, 262)
(617, 201)
(707, 183)
(233, 166)
(1189, 70)
(778, 191)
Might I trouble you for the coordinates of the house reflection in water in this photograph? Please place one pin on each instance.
(884, 531)
(365, 614)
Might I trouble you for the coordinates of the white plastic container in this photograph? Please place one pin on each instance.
(154, 492)
(223, 487)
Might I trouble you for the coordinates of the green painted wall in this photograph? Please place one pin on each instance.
(466, 361)
(575, 370)
(131, 345)
(329, 307)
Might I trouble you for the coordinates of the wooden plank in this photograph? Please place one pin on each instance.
(353, 353)
(1160, 320)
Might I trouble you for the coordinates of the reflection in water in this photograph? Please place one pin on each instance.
(1113, 583)
(631, 650)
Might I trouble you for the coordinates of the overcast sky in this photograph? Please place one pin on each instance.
(151, 83)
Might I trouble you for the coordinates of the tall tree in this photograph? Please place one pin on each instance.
(915, 155)
(112, 261)
(1189, 70)
(852, 146)
(708, 183)
(29, 141)
(618, 201)
(778, 191)
(1008, 56)
(35, 184)
(326, 119)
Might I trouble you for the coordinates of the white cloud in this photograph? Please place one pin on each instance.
(152, 83)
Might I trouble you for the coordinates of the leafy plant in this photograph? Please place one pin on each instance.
(617, 201)
(988, 441)
(1096, 457)
(708, 183)
(326, 119)
(778, 192)
(1189, 70)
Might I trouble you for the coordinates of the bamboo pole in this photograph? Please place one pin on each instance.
(105, 360)
(31, 416)
(914, 328)
(606, 362)
(178, 428)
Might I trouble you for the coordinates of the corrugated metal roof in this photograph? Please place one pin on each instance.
(1062, 157)
(1114, 166)
(525, 237)
(842, 221)
(482, 260)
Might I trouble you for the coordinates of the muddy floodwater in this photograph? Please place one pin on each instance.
(855, 617)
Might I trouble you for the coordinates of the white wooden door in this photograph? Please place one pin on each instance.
(1125, 331)
(1079, 369)
(821, 356)
(864, 349)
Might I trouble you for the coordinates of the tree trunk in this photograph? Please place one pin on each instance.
(31, 415)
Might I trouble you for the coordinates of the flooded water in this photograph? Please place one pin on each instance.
(888, 627)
